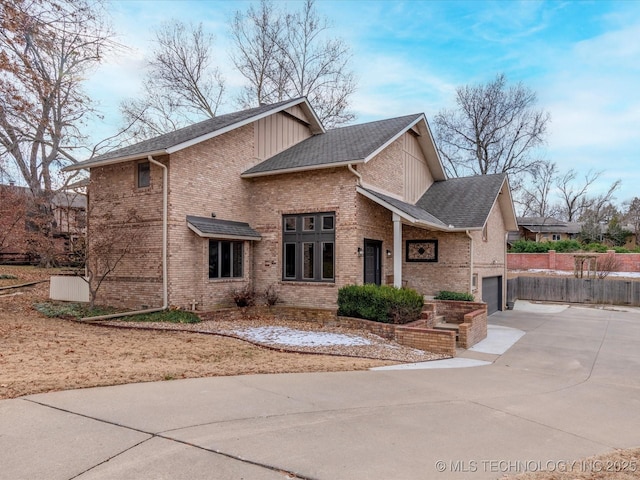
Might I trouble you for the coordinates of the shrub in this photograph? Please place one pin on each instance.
(384, 303)
(564, 246)
(244, 297)
(69, 309)
(528, 246)
(457, 296)
(271, 295)
(595, 247)
(621, 250)
(7, 276)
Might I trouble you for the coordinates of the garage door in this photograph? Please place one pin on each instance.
(492, 293)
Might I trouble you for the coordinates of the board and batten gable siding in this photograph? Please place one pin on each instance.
(279, 131)
(400, 169)
(417, 177)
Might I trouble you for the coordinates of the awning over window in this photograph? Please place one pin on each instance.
(214, 228)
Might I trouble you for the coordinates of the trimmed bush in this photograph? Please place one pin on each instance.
(529, 246)
(384, 303)
(457, 296)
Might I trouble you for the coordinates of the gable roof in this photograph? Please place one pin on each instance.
(457, 204)
(414, 212)
(338, 147)
(463, 202)
(196, 133)
(539, 221)
(215, 228)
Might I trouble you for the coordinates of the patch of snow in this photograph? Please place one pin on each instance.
(299, 338)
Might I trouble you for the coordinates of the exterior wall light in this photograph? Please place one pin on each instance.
(360, 253)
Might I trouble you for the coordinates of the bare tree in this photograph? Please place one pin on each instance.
(112, 240)
(493, 129)
(632, 215)
(181, 85)
(575, 198)
(286, 55)
(257, 35)
(46, 49)
(536, 197)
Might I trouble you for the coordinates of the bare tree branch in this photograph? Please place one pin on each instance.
(494, 129)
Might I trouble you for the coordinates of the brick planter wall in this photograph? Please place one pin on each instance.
(471, 318)
(415, 335)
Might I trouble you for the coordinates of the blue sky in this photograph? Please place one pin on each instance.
(582, 58)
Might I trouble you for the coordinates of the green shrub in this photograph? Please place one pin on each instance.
(565, 246)
(621, 250)
(7, 276)
(384, 303)
(528, 246)
(458, 296)
(595, 247)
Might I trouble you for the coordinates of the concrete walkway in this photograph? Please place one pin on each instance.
(569, 388)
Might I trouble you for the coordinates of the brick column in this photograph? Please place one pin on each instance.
(552, 259)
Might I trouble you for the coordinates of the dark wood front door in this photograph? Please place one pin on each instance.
(373, 261)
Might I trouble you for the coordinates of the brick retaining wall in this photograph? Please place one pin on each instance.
(629, 262)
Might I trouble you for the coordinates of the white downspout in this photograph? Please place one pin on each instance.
(470, 261)
(165, 296)
(165, 197)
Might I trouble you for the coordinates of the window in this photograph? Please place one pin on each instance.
(309, 247)
(556, 237)
(225, 259)
(144, 174)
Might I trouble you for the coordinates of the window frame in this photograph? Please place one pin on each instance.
(309, 238)
(234, 246)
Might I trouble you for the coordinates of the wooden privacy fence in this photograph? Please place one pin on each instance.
(574, 290)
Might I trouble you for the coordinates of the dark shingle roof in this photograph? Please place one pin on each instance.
(227, 228)
(462, 202)
(412, 210)
(342, 145)
(185, 134)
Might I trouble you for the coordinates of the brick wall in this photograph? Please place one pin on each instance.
(473, 329)
(329, 190)
(385, 171)
(629, 262)
(450, 272)
(489, 254)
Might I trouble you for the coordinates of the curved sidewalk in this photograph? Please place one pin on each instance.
(567, 389)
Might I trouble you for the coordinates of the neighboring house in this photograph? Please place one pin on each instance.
(267, 196)
(545, 229)
(32, 226)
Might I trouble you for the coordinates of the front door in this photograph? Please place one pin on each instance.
(373, 261)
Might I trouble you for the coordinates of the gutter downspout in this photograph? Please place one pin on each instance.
(470, 261)
(165, 195)
(165, 297)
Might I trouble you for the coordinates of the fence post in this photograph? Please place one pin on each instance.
(552, 259)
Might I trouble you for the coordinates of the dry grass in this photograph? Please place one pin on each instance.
(41, 354)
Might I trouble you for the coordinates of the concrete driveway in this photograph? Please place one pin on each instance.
(569, 388)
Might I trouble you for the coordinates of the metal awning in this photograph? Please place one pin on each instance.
(225, 229)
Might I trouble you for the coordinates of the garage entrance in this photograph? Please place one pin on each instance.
(492, 293)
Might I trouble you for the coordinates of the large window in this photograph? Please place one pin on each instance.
(225, 259)
(309, 247)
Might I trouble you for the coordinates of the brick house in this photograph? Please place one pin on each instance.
(546, 229)
(267, 196)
